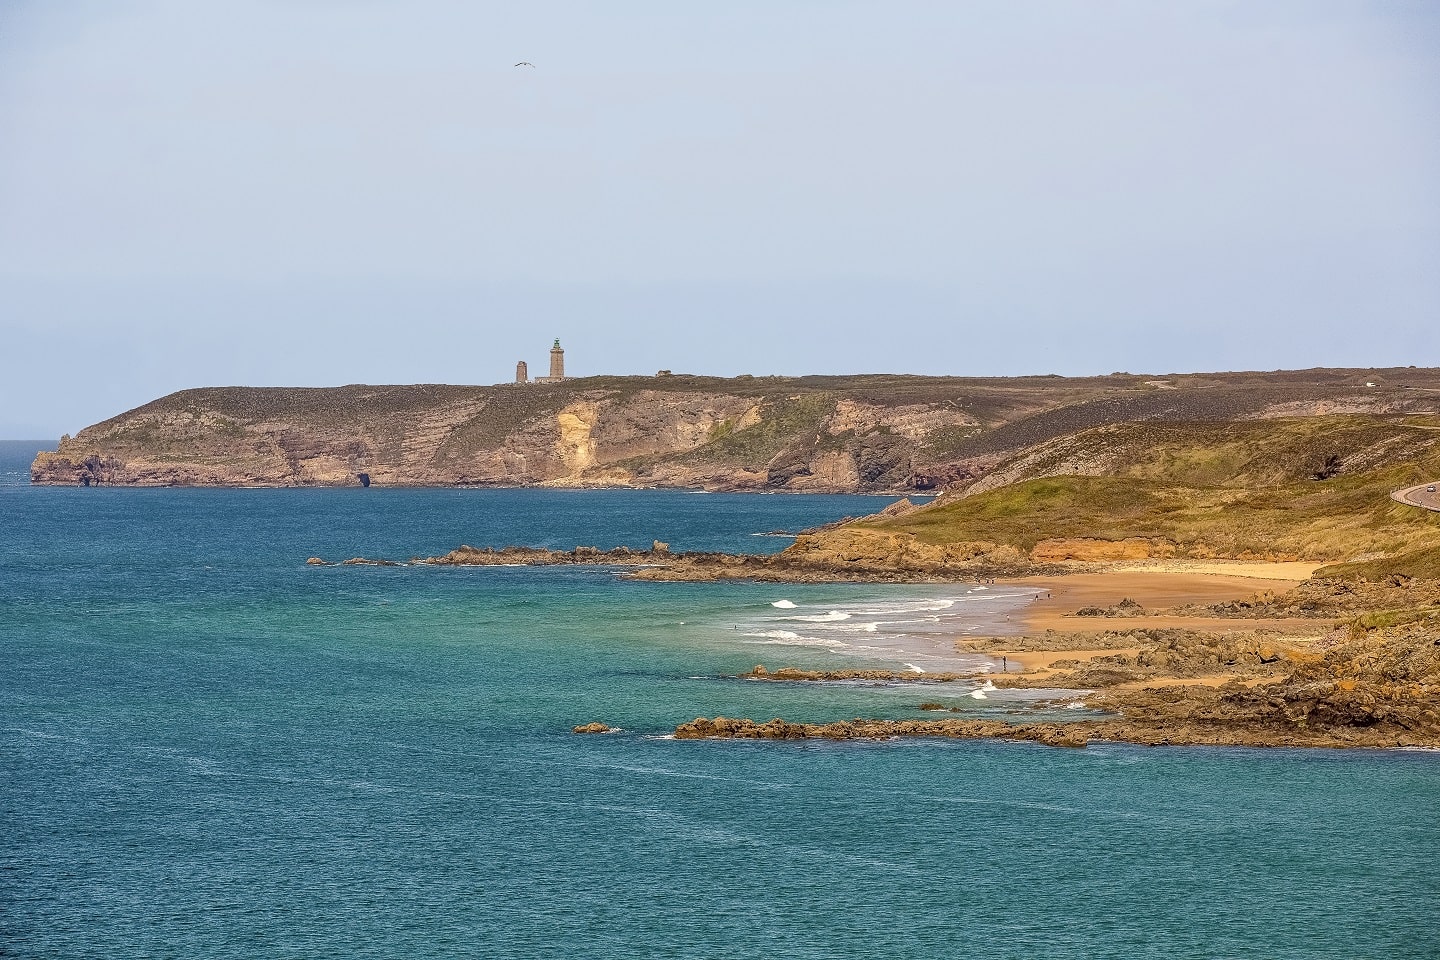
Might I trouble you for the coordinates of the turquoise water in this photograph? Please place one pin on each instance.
(208, 749)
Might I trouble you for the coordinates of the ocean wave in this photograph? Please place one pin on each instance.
(896, 609)
(834, 616)
(783, 604)
(789, 638)
(776, 634)
(838, 627)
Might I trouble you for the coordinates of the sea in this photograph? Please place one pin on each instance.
(209, 748)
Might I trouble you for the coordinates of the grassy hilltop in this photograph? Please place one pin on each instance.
(1245, 489)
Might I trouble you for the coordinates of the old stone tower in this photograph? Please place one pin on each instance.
(557, 367)
(557, 361)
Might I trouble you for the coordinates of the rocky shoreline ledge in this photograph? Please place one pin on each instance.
(804, 565)
(1077, 733)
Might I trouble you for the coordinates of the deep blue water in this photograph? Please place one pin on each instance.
(15, 457)
(208, 749)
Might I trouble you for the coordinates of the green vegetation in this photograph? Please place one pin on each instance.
(947, 442)
(1421, 564)
(505, 411)
(782, 422)
(1232, 489)
(1384, 619)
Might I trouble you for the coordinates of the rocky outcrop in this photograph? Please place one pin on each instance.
(660, 563)
(724, 728)
(594, 727)
(1235, 732)
(862, 549)
(795, 675)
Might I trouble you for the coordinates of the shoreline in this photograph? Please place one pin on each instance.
(1176, 652)
(901, 493)
(1168, 678)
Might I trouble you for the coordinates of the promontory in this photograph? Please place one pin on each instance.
(863, 433)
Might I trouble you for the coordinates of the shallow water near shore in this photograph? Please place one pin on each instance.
(209, 749)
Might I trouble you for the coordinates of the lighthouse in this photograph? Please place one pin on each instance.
(557, 362)
(557, 367)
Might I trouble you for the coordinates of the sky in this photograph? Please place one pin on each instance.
(316, 192)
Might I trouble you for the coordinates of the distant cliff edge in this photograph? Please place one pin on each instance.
(870, 433)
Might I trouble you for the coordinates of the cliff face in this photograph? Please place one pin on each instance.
(559, 435)
(821, 434)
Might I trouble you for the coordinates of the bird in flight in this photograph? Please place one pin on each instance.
(526, 63)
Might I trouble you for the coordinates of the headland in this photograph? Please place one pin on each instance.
(862, 433)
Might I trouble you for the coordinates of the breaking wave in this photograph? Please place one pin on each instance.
(913, 631)
(789, 638)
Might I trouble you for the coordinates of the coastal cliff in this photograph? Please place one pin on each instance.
(869, 433)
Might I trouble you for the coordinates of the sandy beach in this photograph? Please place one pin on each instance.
(1160, 585)
(1153, 585)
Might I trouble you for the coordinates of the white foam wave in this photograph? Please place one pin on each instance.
(834, 616)
(978, 695)
(789, 638)
(783, 604)
(915, 668)
(776, 635)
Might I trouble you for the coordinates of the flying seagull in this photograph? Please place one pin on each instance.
(526, 63)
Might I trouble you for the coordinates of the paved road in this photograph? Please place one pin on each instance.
(1418, 496)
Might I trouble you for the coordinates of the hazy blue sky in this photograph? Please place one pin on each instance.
(323, 192)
